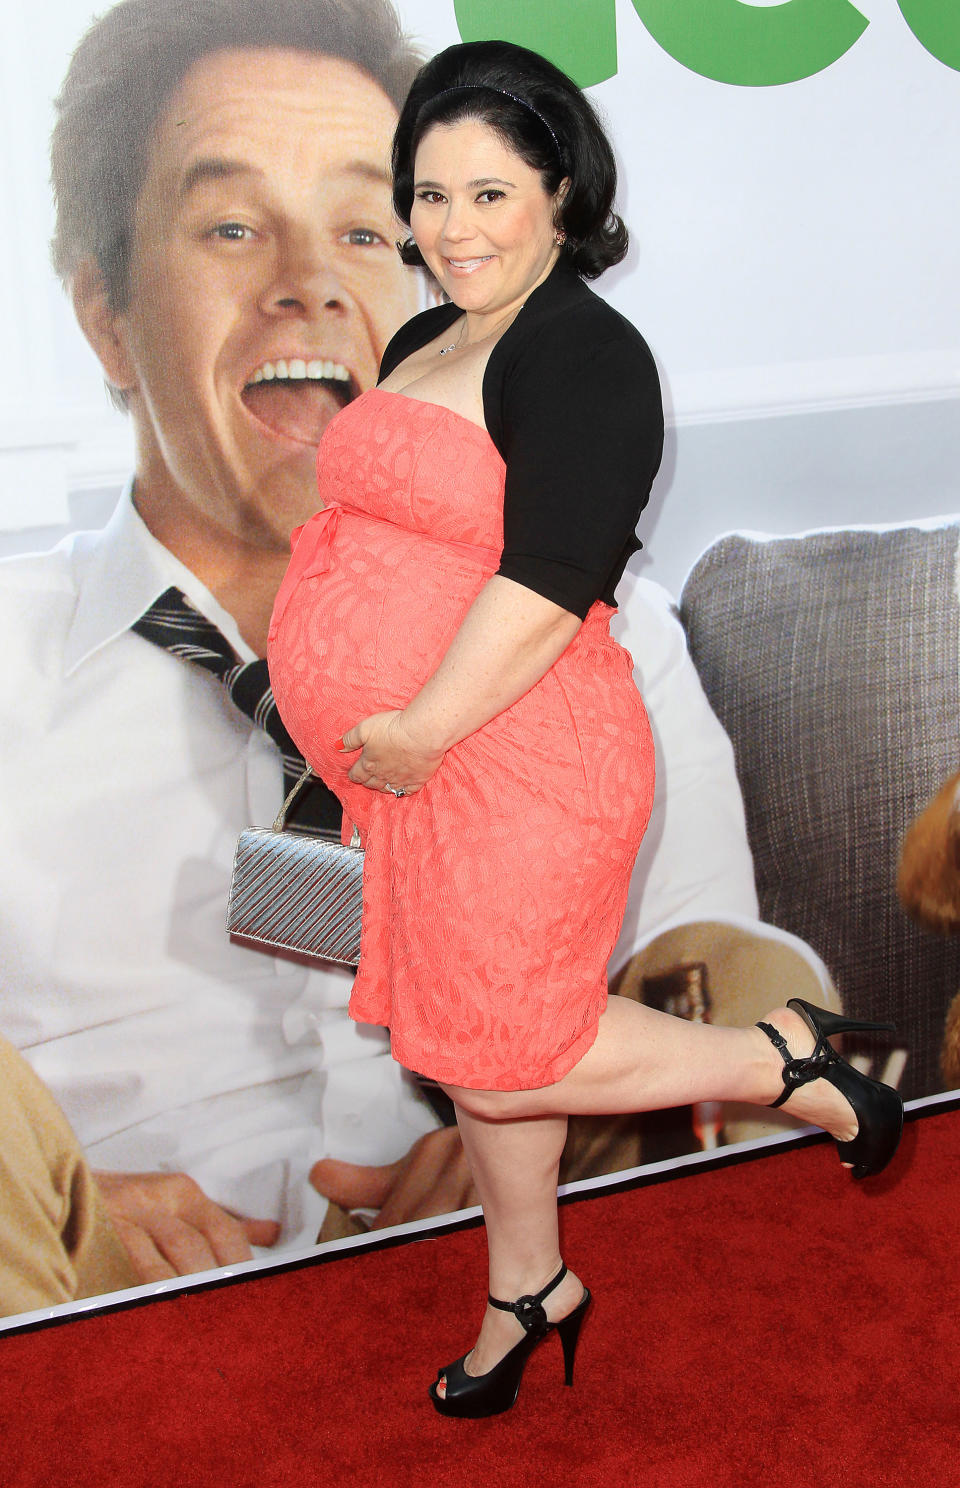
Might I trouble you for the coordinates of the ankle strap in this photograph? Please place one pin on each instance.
(529, 1310)
(799, 1071)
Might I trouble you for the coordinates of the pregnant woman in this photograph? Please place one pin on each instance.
(440, 651)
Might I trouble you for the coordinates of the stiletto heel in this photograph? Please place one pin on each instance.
(475, 1395)
(877, 1107)
(823, 1021)
(569, 1330)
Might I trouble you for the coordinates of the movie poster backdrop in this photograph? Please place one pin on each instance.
(785, 175)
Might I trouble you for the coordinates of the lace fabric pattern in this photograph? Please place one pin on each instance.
(494, 896)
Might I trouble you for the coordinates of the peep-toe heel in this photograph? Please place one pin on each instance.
(473, 1396)
(877, 1107)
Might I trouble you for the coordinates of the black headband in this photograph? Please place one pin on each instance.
(490, 88)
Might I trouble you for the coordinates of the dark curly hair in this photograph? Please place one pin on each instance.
(134, 58)
(542, 116)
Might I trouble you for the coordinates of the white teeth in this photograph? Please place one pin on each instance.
(297, 370)
(329, 371)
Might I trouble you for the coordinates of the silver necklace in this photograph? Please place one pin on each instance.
(454, 344)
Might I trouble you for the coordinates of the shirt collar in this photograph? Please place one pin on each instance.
(126, 571)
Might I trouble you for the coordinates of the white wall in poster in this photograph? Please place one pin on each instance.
(793, 266)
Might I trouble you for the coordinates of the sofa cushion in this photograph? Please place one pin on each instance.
(833, 661)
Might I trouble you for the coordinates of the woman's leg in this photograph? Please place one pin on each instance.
(515, 1166)
(645, 1060)
(641, 1060)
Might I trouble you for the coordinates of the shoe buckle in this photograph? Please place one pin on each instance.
(531, 1315)
(803, 1071)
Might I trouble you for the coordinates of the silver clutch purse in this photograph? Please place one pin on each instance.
(293, 891)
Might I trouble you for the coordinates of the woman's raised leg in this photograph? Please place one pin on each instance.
(645, 1060)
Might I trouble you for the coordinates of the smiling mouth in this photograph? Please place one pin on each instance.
(298, 398)
(467, 265)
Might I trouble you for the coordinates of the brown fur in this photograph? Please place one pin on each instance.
(950, 1053)
(928, 881)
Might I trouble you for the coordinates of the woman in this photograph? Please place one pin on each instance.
(448, 612)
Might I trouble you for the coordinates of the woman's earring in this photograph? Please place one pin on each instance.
(560, 236)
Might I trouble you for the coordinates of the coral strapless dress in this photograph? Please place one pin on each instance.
(492, 898)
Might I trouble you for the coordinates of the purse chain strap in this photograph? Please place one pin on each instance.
(281, 821)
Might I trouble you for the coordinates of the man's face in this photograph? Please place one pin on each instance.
(264, 286)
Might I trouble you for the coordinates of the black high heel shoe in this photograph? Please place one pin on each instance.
(877, 1107)
(476, 1395)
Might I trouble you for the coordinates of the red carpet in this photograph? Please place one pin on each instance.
(769, 1323)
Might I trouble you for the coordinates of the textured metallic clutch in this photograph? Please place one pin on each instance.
(297, 892)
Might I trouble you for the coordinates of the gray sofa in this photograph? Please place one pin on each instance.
(833, 661)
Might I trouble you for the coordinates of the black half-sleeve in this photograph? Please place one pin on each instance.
(582, 437)
(415, 333)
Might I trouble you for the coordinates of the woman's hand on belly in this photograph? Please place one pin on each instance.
(390, 759)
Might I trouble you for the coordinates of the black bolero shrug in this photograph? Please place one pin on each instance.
(571, 400)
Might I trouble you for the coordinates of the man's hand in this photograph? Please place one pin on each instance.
(170, 1228)
(433, 1178)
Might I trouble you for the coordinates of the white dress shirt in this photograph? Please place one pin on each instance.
(127, 777)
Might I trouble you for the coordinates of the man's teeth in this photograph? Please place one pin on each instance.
(297, 371)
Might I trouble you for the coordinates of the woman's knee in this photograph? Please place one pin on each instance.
(491, 1105)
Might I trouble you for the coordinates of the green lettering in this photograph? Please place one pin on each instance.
(580, 36)
(936, 26)
(754, 46)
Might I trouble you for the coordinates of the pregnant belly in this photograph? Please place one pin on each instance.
(366, 618)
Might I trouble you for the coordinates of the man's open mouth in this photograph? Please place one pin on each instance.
(298, 398)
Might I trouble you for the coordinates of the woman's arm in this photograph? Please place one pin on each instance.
(510, 637)
(579, 424)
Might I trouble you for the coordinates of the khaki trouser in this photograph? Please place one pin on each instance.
(56, 1240)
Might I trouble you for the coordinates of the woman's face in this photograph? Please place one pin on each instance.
(481, 218)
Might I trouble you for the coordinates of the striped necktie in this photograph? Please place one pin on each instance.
(174, 625)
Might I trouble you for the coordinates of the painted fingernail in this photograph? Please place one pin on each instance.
(340, 744)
